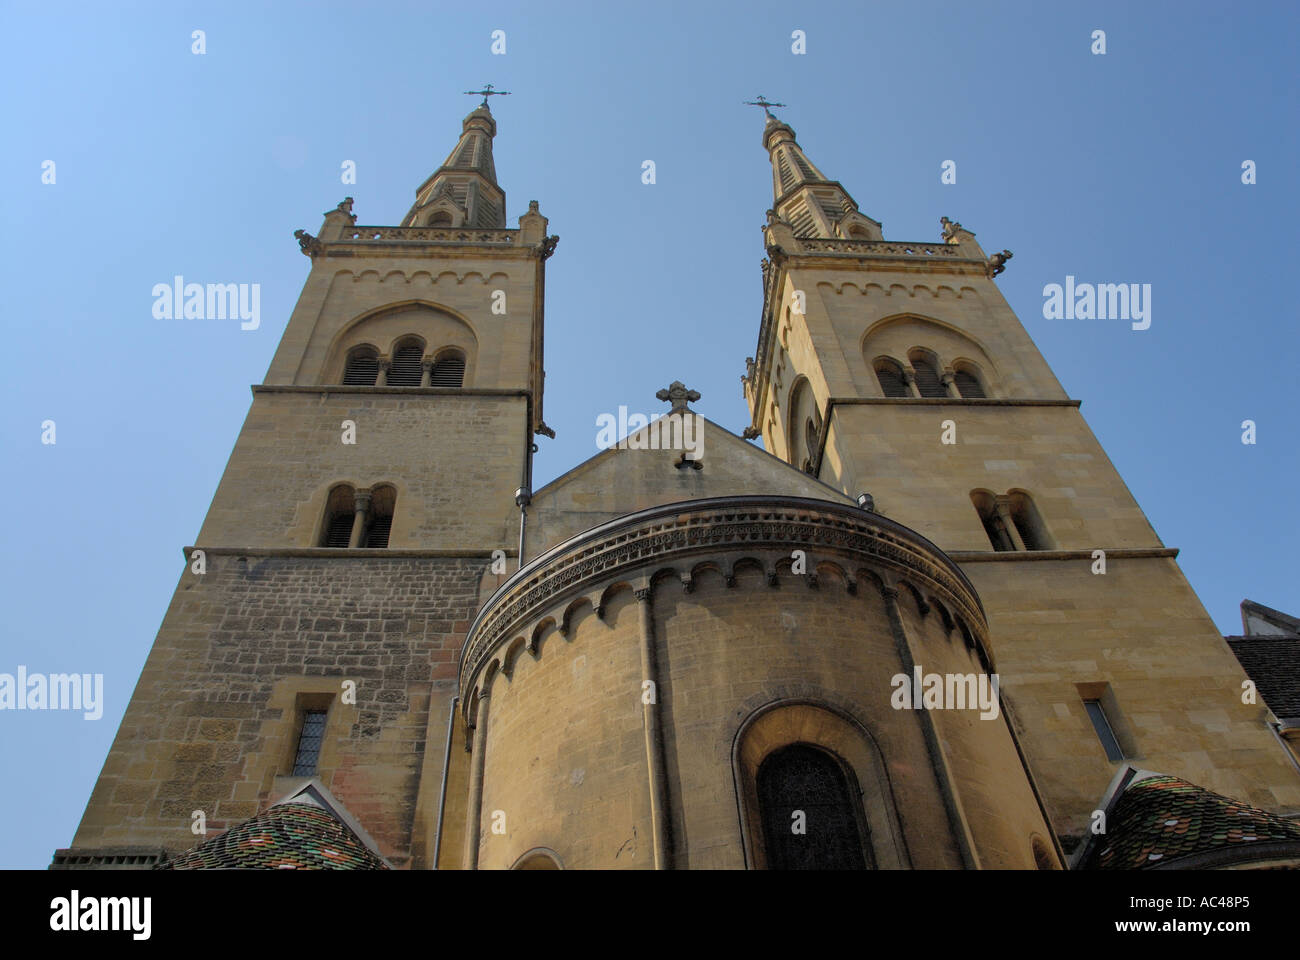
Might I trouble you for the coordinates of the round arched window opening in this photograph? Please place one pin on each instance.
(812, 820)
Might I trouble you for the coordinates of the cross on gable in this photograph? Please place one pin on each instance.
(678, 395)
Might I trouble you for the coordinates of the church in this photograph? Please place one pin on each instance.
(924, 626)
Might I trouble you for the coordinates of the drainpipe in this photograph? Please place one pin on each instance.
(442, 792)
(523, 497)
(474, 817)
(654, 745)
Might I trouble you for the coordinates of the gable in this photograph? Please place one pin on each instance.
(625, 479)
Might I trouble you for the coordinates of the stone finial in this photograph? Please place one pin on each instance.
(677, 394)
(950, 227)
(346, 206)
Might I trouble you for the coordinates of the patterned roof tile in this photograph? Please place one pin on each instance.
(1161, 819)
(287, 836)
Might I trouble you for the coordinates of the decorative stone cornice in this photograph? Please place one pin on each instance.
(369, 234)
(384, 390)
(342, 553)
(661, 536)
(1112, 553)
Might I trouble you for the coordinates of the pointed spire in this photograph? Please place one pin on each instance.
(812, 204)
(463, 192)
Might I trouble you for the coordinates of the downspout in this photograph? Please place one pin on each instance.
(442, 792)
(654, 743)
(523, 497)
(474, 817)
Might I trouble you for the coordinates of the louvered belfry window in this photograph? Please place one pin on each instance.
(405, 370)
(362, 369)
(927, 380)
(997, 536)
(339, 531)
(891, 381)
(309, 743)
(377, 535)
(807, 809)
(449, 371)
(968, 385)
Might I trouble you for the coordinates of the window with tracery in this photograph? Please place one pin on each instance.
(810, 813)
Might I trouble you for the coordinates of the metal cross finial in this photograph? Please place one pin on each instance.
(763, 102)
(677, 394)
(486, 92)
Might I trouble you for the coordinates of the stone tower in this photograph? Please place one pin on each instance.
(897, 370)
(315, 629)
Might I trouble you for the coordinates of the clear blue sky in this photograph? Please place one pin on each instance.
(1124, 168)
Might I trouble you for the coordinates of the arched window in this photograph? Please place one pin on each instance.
(340, 510)
(891, 379)
(811, 819)
(448, 371)
(380, 523)
(362, 367)
(1011, 518)
(440, 219)
(539, 858)
(927, 377)
(405, 369)
(803, 423)
(968, 384)
(986, 507)
(1029, 524)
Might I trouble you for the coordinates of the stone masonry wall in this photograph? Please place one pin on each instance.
(214, 721)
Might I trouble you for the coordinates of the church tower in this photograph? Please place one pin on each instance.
(898, 371)
(370, 495)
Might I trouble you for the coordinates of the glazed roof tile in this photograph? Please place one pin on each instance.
(1161, 819)
(287, 836)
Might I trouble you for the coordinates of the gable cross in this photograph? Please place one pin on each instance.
(677, 394)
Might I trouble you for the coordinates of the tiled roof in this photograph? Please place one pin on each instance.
(287, 836)
(1160, 820)
(1273, 662)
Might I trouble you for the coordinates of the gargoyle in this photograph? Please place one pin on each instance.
(997, 263)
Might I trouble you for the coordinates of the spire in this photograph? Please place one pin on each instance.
(812, 204)
(463, 192)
